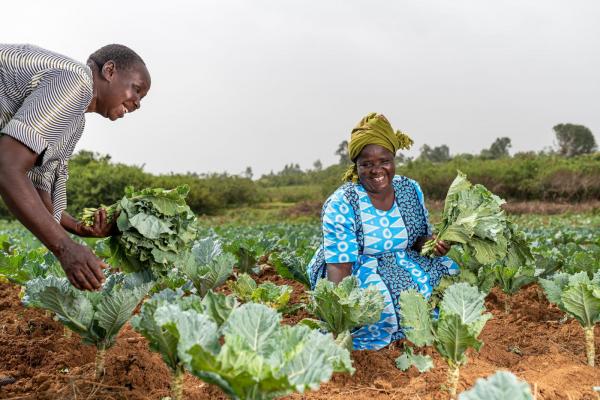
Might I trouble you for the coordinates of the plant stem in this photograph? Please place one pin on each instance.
(589, 345)
(507, 305)
(100, 354)
(177, 383)
(67, 332)
(453, 376)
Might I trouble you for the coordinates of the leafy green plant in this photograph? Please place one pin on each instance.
(343, 307)
(156, 230)
(291, 266)
(511, 279)
(503, 385)
(216, 308)
(462, 317)
(579, 297)
(422, 363)
(267, 293)
(473, 218)
(210, 267)
(252, 356)
(96, 316)
(19, 265)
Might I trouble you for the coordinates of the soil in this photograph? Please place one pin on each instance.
(531, 341)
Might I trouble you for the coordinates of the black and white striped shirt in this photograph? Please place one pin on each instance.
(43, 99)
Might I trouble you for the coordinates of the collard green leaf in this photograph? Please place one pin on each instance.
(465, 301)
(554, 287)
(454, 338)
(502, 385)
(416, 318)
(218, 306)
(422, 363)
(580, 302)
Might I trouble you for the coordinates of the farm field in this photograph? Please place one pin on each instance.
(527, 335)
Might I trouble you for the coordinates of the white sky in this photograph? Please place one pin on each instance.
(263, 83)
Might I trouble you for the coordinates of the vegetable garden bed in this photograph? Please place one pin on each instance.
(531, 341)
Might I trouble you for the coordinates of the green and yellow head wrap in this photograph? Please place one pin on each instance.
(373, 129)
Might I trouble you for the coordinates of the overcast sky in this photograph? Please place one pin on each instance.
(269, 82)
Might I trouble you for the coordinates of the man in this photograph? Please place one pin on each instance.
(43, 99)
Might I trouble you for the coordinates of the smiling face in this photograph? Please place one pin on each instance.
(376, 168)
(121, 91)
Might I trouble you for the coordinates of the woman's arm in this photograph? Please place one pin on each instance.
(337, 272)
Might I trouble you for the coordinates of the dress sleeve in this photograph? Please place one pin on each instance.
(422, 201)
(58, 102)
(339, 231)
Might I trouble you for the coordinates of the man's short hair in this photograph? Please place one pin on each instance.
(123, 56)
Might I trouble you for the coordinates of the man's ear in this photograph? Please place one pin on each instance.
(108, 70)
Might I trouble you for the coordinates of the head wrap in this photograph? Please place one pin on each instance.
(373, 129)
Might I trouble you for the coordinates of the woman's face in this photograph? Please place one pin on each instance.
(376, 168)
(122, 90)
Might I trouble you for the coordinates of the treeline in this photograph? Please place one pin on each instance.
(94, 180)
(525, 176)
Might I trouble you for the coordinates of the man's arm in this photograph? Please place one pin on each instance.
(82, 267)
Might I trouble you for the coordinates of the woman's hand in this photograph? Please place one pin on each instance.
(441, 248)
(101, 227)
(337, 272)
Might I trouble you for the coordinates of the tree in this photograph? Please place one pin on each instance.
(574, 139)
(342, 152)
(436, 154)
(318, 165)
(248, 173)
(498, 149)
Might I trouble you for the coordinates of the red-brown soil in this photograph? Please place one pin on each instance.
(530, 341)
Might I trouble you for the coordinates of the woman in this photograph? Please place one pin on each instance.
(374, 227)
(43, 100)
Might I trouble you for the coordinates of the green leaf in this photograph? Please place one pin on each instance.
(243, 287)
(218, 306)
(408, 358)
(580, 302)
(502, 385)
(554, 287)
(465, 301)
(416, 318)
(253, 324)
(454, 338)
(345, 306)
(115, 309)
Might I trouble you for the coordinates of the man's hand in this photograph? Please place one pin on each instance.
(83, 268)
(101, 227)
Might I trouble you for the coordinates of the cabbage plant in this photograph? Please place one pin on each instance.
(252, 356)
(343, 307)
(503, 385)
(267, 293)
(96, 316)
(209, 267)
(579, 297)
(163, 338)
(461, 319)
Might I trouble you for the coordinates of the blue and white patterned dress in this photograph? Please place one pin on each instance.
(379, 243)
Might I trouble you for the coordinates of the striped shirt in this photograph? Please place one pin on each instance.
(43, 99)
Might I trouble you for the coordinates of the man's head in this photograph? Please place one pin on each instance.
(121, 80)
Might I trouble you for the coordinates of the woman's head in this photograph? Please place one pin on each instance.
(121, 80)
(373, 139)
(375, 168)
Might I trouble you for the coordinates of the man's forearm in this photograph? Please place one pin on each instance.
(25, 203)
(71, 224)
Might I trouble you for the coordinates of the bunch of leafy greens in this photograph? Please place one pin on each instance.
(578, 296)
(503, 385)
(252, 356)
(163, 339)
(96, 316)
(473, 218)
(156, 231)
(343, 307)
(462, 317)
(209, 267)
(267, 293)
